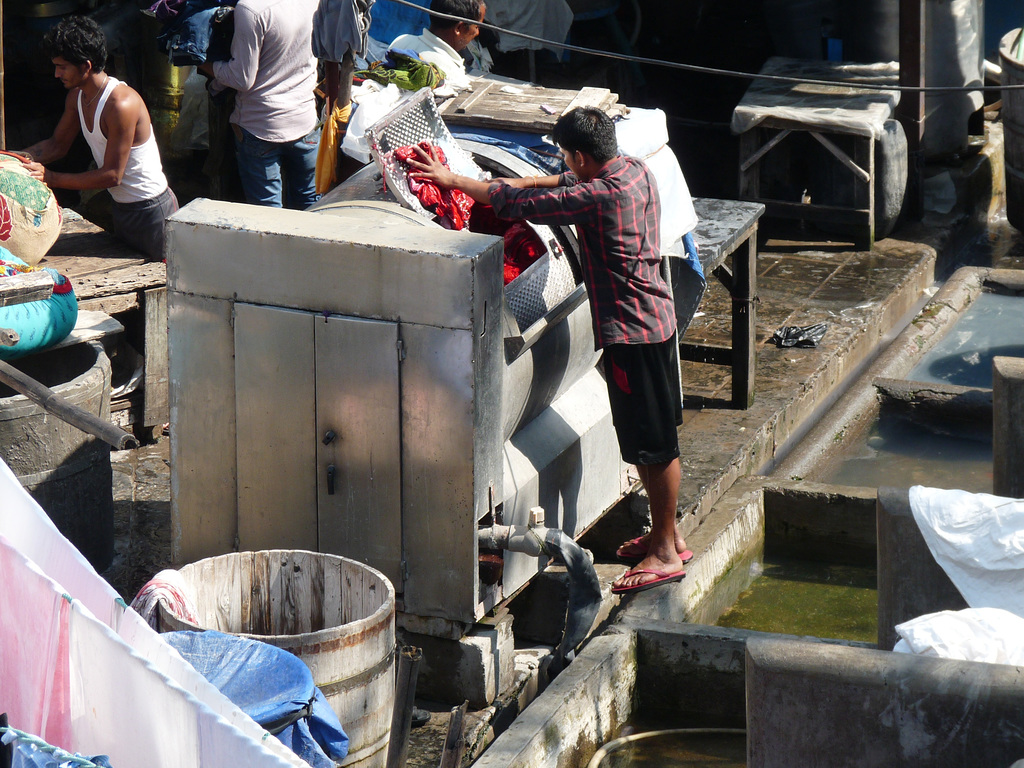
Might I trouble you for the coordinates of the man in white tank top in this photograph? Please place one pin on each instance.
(116, 125)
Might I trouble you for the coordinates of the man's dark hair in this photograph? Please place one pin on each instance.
(467, 9)
(77, 39)
(589, 130)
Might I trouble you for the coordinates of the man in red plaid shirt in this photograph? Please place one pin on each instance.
(613, 201)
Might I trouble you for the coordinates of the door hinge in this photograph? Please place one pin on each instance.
(400, 346)
(405, 570)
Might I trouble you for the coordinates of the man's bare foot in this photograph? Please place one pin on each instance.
(634, 550)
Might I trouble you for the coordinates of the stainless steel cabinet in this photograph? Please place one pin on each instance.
(318, 435)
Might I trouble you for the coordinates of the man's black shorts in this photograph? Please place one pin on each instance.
(647, 405)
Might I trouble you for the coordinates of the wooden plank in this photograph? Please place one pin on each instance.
(77, 267)
(112, 305)
(588, 97)
(531, 108)
(473, 98)
(25, 287)
(90, 326)
(155, 405)
(124, 279)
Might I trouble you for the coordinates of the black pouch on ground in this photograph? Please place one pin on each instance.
(797, 336)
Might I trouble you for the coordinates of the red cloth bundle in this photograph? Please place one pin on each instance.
(452, 206)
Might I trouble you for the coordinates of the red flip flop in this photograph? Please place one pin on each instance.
(661, 578)
(627, 559)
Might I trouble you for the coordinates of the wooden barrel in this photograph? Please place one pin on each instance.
(65, 470)
(1013, 129)
(335, 614)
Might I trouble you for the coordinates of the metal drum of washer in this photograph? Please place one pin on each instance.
(547, 329)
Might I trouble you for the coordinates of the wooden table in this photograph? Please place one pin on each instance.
(728, 228)
(112, 277)
(834, 106)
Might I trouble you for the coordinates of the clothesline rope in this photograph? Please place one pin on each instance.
(710, 70)
(9, 734)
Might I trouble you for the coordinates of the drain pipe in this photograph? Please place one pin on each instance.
(584, 587)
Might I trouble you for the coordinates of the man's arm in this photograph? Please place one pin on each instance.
(57, 146)
(240, 71)
(429, 168)
(119, 119)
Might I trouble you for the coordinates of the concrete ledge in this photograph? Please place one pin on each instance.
(946, 409)
(729, 539)
(814, 704)
(818, 453)
(579, 711)
(477, 667)
(910, 582)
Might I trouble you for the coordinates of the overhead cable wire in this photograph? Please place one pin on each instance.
(696, 68)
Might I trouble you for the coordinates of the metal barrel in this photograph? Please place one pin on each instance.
(335, 614)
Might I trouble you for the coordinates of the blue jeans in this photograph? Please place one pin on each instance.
(262, 164)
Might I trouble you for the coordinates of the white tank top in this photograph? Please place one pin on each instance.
(143, 177)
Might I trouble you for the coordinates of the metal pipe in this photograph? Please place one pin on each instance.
(401, 714)
(64, 409)
(584, 587)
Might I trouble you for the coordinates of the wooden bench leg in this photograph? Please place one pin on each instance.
(744, 322)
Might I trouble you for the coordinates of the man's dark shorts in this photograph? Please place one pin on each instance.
(141, 224)
(647, 404)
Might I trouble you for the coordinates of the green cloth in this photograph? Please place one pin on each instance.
(409, 73)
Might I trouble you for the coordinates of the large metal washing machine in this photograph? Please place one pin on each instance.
(355, 379)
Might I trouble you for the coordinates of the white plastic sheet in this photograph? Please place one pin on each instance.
(840, 107)
(978, 540)
(77, 666)
(973, 634)
(34, 684)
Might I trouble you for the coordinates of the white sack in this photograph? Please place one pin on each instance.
(973, 634)
(978, 540)
(643, 134)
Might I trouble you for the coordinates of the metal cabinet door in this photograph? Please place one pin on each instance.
(359, 442)
(275, 433)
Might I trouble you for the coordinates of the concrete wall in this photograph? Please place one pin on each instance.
(1008, 426)
(910, 582)
(815, 521)
(582, 709)
(810, 704)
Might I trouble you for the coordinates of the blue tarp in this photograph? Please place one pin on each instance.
(270, 685)
(530, 147)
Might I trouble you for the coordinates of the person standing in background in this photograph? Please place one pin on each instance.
(273, 71)
(116, 125)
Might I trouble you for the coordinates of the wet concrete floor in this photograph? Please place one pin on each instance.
(804, 277)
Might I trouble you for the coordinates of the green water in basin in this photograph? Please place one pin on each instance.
(800, 597)
(677, 748)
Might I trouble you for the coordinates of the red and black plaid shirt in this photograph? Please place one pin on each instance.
(616, 215)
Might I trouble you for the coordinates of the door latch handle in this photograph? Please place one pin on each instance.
(331, 471)
(329, 436)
